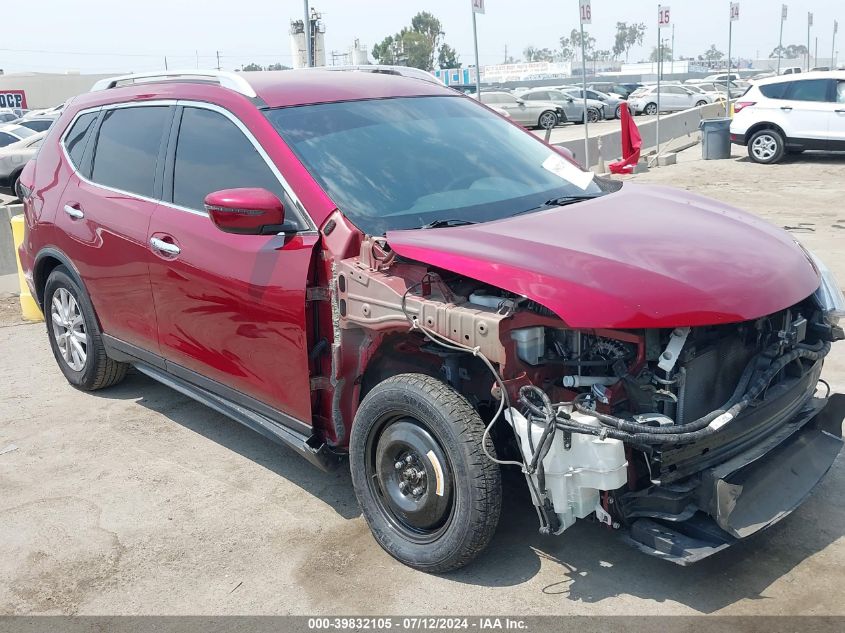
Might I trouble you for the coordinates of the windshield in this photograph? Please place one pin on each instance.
(408, 162)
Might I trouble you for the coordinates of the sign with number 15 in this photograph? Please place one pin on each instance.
(664, 16)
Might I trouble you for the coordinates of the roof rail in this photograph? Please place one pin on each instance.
(404, 71)
(224, 78)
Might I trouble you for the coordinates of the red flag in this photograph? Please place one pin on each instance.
(632, 143)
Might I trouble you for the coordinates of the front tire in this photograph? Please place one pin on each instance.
(650, 109)
(429, 494)
(75, 335)
(547, 120)
(766, 147)
(618, 113)
(593, 115)
(701, 104)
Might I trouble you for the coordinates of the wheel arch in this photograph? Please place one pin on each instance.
(765, 125)
(47, 260)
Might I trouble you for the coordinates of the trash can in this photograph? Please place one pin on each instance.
(715, 138)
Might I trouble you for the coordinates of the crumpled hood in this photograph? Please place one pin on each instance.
(642, 257)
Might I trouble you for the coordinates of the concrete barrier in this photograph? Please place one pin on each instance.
(674, 130)
(29, 307)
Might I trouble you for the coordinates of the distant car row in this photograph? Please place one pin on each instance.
(16, 124)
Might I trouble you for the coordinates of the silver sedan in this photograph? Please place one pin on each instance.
(13, 157)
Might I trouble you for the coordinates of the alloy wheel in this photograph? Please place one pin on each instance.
(764, 147)
(547, 120)
(69, 329)
(593, 115)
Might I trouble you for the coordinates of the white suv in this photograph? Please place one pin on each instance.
(786, 115)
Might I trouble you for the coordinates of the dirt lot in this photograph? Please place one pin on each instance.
(136, 500)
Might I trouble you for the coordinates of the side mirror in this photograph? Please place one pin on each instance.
(520, 102)
(247, 211)
(570, 99)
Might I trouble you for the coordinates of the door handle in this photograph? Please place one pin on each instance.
(164, 247)
(73, 212)
(786, 108)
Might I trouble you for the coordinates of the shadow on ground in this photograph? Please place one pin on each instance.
(589, 563)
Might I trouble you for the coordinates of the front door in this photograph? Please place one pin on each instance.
(808, 108)
(105, 212)
(230, 308)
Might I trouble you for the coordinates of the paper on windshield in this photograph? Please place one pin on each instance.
(562, 168)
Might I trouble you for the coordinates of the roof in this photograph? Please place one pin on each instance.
(818, 74)
(280, 87)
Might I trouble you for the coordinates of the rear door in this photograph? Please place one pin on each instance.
(105, 210)
(809, 107)
(231, 308)
(837, 119)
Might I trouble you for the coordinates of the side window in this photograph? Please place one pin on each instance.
(127, 148)
(537, 96)
(776, 91)
(507, 99)
(74, 139)
(840, 92)
(490, 99)
(809, 90)
(212, 154)
(7, 139)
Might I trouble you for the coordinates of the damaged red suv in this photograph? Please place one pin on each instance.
(373, 266)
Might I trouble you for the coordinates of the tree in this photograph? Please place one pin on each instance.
(665, 53)
(628, 36)
(277, 66)
(567, 51)
(532, 54)
(415, 46)
(793, 51)
(447, 57)
(575, 38)
(252, 67)
(713, 54)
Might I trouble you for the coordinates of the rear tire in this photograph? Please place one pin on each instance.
(700, 104)
(650, 109)
(766, 147)
(618, 113)
(429, 494)
(593, 115)
(75, 335)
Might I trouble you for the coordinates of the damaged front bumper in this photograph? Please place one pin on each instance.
(688, 520)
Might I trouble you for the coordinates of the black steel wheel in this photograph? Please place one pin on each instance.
(429, 494)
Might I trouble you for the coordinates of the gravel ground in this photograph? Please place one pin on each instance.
(136, 500)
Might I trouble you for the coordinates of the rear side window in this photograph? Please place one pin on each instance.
(809, 90)
(776, 91)
(7, 139)
(127, 148)
(74, 140)
(212, 154)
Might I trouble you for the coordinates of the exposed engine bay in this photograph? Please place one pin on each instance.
(657, 431)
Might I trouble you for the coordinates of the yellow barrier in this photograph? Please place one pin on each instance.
(29, 307)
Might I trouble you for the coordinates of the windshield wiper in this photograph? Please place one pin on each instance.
(439, 224)
(565, 200)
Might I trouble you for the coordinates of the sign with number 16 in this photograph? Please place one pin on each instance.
(586, 12)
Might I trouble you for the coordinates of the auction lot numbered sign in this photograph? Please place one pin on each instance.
(664, 16)
(12, 99)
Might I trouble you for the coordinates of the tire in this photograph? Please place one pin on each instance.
(650, 109)
(618, 113)
(593, 115)
(700, 104)
(547, 120)
(13, 182)
(440, 520)
(766, 147)
(84, 363)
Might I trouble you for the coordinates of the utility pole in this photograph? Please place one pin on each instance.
(165, 61)
(198, 58)
(733, 18)
(218, 60)
(477, 7)
(809, 24)
(783, 10)
(506, 54)
(816, 54)
(672, 50)
(309, 56)
(585, 12)
(833, 46)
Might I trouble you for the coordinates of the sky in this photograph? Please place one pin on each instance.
(132, 35)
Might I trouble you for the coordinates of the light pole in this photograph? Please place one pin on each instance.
(477, 7)
(809, 24)
(780, 38)
(309, 57)
(833, 46)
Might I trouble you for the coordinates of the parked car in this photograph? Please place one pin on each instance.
(572, 108)
(722, 77)
(791, 70)
(12, 133)
(717, 90)
(539, 114)
(37, 124)
(673, 98)
(787, 115)
(610, 87)
(7, 115)
(377, 267)
(612, 104)
(13, 157)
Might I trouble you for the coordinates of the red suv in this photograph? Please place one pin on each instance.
(369, 265)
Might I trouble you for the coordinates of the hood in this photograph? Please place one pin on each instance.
(643, 257)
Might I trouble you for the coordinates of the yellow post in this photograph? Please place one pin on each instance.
(29, 307)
